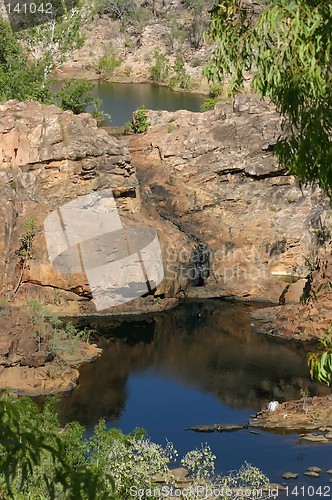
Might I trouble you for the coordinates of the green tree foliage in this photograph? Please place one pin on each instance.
(181, 78)
(24, 252)
(38, 461)
(287, 44)
(108, 62)
(19, 78)
(52, 42)
(320, 362)
(134, 22)
(209, 103)
(28, 58)
(199, 20)
(41, 461)
(76, 96)
(140, 122)
(159, 71)
(64, 340)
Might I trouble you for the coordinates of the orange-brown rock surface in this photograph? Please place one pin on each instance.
(32, 361)
(213, 175)
(230, 221)
(305, 413)
(310, 319)
(47, 158)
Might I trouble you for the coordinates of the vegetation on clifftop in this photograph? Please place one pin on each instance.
(288, 47)
(26, 63)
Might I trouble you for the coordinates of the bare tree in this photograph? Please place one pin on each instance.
(118, 9)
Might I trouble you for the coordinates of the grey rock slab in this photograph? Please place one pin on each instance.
(311, 473)
(202, 428)
(314, 438)
(290, 475)
(230, 427)
(313, 468)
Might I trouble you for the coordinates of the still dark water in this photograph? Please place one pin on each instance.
(200, 363)
(121, 100)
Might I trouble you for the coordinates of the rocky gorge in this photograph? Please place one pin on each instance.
(230, 221)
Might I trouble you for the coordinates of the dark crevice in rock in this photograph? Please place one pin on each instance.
(83, 294)
(191, 236)
(227, 171)
(282, 298)
(199, 267)
(242, 171)
(130, 193)
(269, 148)
(268, 175)
(201, 209)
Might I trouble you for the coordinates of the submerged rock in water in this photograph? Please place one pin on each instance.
(290, 475)
(311, 473)
(315, 469)
(218, 427)
(314, 438)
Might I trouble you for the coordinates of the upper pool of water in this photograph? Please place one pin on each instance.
(121, 100)
(200, 363)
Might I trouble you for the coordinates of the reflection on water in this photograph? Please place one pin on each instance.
(120, 100)
(198, 364)
(207, 346)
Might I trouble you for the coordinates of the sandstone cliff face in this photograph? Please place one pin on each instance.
(170, 26)
(229, 221)
(47, 158)
(214, 176)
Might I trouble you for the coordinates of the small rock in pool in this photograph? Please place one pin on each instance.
(314, 438)
(329, 471)
(313, 468)
(311, 473)
(290, 475)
